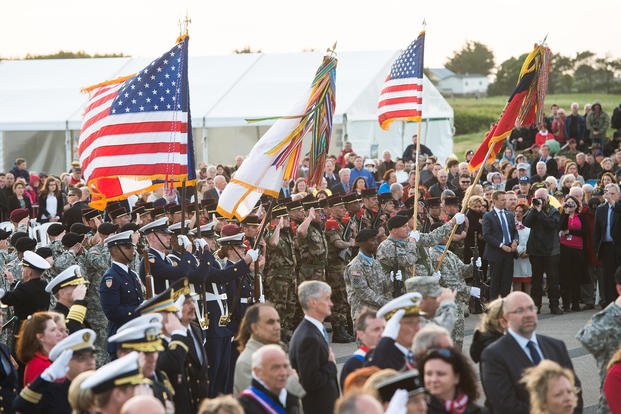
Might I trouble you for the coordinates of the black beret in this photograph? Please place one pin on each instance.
(71, 239)
(107, 228)
(4, 234)
(55, 229)
(16, 236)
(397, 221)
(79, 228)
(366, 234)
(25, 243)
(44, 252)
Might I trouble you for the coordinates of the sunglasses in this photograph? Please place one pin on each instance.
(440, 352)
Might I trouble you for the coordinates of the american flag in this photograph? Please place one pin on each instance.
(402, 95)
(136, 132)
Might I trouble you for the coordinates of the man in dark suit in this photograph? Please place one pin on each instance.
(309, 349)
(342, 186)
(607, 235)
(219, 183)
(504, 361)
(544, 156)
(73, 214)
(500, 237)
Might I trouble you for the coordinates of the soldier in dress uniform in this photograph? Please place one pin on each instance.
(120, 290)
(91, 218)
(250, 227)
(173, 211)
(280, 269)
(95, 263)
(386, 210)
(143, 335)
(312, 243)
(115, 383)
(338, 257)
(119, 216)
(48, 392)
(365, 281)
(28, 295)
(69, 289)
(400, 251)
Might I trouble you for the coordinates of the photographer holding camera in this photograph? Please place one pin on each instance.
(543, 248)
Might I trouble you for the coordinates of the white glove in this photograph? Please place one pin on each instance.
(200, 244)
(179, 305)
(254, 254)
(436, 276)
(59, 368)
(478, 263)
(392, 276)
(459, 218)
(184, 242)
(475, 292)
(415, 234)
(2, 293)
(398, 275)
(394, 324)
(398, 403)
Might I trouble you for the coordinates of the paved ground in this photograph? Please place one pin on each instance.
(563, 327)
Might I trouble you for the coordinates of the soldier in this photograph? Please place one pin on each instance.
(602, 338)
(115, 383)
(55, 233)
(120, 290)
(372, 216)
(72, 243)
(22, 244)
(28, 295)
(386, 209)
(365, 282)
(438, 303)
(94, 264)
(338, 257)
(250, 227)
(48, 392)
(5, 255)
(119, 216)
(69, 289)
(143, 335)
(434, 212)
(312, 244)
(173, 211)
(400, 251)
(451, 207)
(280, 269)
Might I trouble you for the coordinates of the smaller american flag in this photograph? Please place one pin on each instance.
(402, 96)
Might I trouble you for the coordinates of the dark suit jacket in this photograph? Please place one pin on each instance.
(252, 406)
(43, 215)
(599, 227)
(338, 188)
(309, 352)
(212, 194)
(73, 214)
(503, 364)
(386, 355)
(492, 233)
(551, 167)
(14, 204)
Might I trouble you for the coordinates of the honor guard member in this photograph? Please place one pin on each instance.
(28, 295)
(338, 257)
(120, 290)
(240, 294)
(394, 349)
(48, 392)
(69, 289)
(55, 233)
(312, 243)
(173, 360)
(371, 214)
(451, 207)
(22, 243)
(173, 211)
(434, 212)
(280, 269)
(9, 377)
(365, 282)
(143, 335)
(95, 263)
(386, 210)
(92, 218)
(115, 383)
(400, 251)
(250, 227)
(119, 216)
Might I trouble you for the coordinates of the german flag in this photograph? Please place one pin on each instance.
(524, 106)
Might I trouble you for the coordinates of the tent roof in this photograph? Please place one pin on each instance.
(225, 90)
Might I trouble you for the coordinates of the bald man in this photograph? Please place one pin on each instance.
(504, 361)
(142, 404)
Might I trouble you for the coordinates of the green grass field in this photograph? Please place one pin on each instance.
(492, 107)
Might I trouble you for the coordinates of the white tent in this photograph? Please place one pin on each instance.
(41, 104)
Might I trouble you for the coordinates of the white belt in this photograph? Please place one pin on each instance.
(210, 296)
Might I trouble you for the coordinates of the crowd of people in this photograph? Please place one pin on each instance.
(160, 304)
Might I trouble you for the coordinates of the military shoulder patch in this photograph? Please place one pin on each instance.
(151, 260)
(108, 282)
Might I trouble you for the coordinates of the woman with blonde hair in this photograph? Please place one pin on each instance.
(81, 400)
(551, 388)
(491, 328)
(224, 404)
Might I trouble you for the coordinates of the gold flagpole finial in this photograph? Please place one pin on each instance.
(332, 50)
(186, 23)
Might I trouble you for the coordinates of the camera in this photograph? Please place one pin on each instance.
(536, 202)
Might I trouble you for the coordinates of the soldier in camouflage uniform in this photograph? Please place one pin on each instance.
(438, 303)
(312, 244)
(280, 270)
(5, 255)
(338, 257)
(55, 233)
(451, 207)
(73, 249)
(602, 337)
(400, 251)
(94, 264)
(365, 282)
(372, 217)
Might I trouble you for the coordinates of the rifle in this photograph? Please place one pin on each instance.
(202, 318)
(345, 254)
(148, 278)
(380, 211)
(257, 283)
(477, 304)
(398, 287)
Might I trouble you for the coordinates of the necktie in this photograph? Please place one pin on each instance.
(409, 359)
(505, 228)
(534, 355)
(325, 334)
(197, 347)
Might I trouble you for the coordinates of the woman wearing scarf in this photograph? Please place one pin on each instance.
(451, 382)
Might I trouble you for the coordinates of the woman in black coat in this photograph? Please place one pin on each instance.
(19, 199)
(51, 202)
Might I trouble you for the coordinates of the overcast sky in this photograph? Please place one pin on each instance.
(149, 27)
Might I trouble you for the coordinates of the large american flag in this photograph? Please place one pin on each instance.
(136, 132)
(402, 95)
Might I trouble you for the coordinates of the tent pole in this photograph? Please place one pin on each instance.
(205, 141)
(68, 147)
(2, 144)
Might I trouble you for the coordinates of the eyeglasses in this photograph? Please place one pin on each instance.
(570, 205)
(520, 311)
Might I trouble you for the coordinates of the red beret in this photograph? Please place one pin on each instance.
(19, 214)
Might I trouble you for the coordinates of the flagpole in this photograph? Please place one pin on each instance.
(416, 183)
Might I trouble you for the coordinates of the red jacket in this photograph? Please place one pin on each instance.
(612, 385)
(35, 367)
